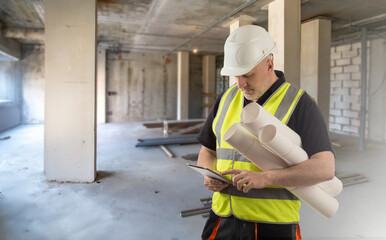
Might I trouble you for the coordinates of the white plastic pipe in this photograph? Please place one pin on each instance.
(273, 140)
(317, 199)
(243, 141)
(254, 117)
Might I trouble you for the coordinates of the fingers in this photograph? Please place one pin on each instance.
(239, 176)
(241, 182)
(247, 187)
(217, 188)
(214, 184)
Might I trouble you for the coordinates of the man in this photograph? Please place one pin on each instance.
(258, 206)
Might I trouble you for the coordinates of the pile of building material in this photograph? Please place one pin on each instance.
(174, 132)
(177, 127)
(351, 179)
(207, 202)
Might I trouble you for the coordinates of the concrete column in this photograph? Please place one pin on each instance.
(238, 22)
(315, 62)
(70, 102)
(183, 85)
(101, 86)
(284, 27)
(208, 83)
(377, 91)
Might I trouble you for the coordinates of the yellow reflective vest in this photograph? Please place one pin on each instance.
(272, 204)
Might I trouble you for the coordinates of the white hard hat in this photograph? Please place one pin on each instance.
(245, 48)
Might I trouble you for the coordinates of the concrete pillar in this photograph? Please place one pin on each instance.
(315, 62)
(70, 102)
(377, 91)
(101, 86)
(284, 27)
(183, 85)
(208, 83)
(238, 22)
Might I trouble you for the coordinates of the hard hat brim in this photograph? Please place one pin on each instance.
(235, 72)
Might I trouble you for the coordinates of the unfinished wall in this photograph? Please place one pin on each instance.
(22, 88)
(346, 89)
(32, 70)
(195, 86)
(10, 94)
(140, 87)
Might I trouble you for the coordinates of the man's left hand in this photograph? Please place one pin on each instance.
(246, 180)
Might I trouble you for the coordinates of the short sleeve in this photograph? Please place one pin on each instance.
(307, 120)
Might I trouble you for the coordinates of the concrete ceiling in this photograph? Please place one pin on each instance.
(169, 25)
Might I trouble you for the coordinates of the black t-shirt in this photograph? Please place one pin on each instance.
(306, 120)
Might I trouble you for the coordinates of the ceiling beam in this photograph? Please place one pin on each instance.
(361, 22)
(34, 35)
(10, 50)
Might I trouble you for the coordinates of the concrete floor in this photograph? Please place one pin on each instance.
(140, 192)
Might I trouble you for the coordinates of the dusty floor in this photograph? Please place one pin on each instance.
(140, 192)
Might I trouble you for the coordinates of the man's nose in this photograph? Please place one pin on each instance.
(241, 81)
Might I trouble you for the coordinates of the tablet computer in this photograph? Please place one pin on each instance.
(208, 172)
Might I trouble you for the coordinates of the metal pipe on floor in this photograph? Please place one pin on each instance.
(196, 211)
(362, 126)
(167, 151)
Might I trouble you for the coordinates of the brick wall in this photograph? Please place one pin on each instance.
(345, 88)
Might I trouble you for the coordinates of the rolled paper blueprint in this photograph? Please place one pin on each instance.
(254, 117)
(274, 141)
(247, 144)
(317, 199)
(244, 142)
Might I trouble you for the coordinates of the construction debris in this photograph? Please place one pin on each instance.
(192, 129)
(351, 179)
(185, 139)
(207, 202)
(167, 151)
(173, 123)
(191, 156)
(177, 127)
(5, 138)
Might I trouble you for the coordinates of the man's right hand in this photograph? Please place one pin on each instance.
(214, 184)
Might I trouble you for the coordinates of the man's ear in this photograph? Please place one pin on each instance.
(270, 64)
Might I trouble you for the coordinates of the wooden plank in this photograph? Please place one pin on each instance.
(192, 129)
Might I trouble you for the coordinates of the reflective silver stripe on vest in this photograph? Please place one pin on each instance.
(286, 102)
(293, 109)
(265, 193)
(223, 112)
(227, 154)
